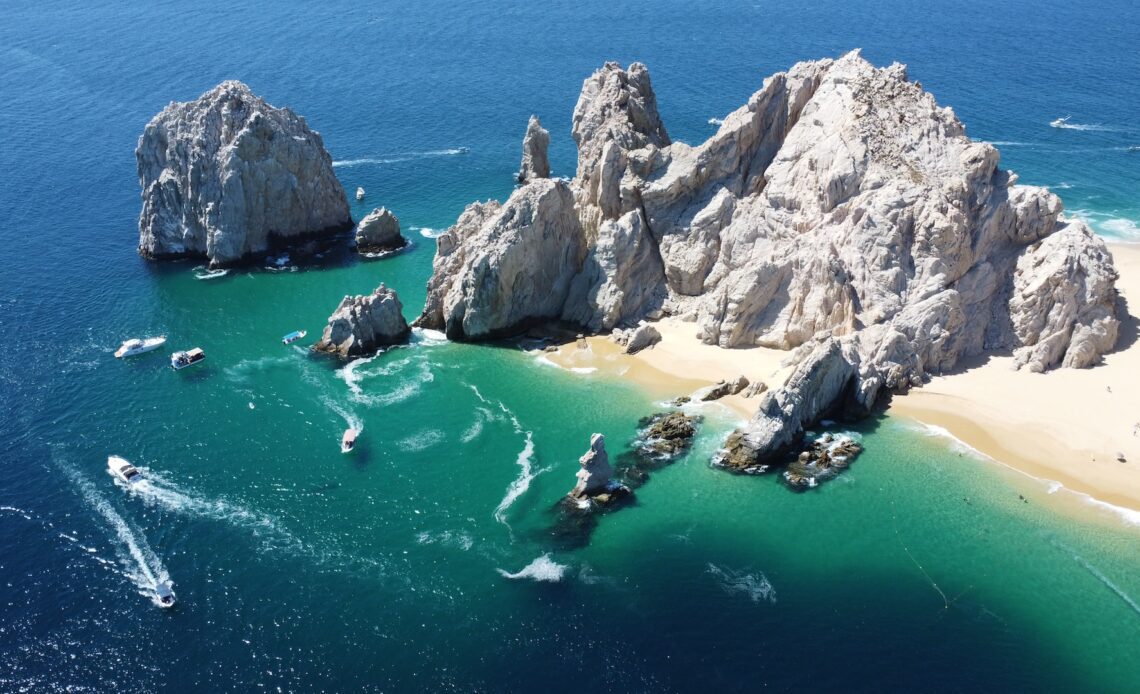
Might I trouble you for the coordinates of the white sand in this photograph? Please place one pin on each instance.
(1067, 425)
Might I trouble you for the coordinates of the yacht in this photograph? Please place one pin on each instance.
(122, 469)
(1060, 122)
(165, 593)
(359, 193)
(348, 441)
(293, 337)
(134, 346)
(180, 360)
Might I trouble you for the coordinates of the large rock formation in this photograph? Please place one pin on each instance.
(535, 162)
(596, 472)
(228, 176)
(379, 233)
(840, 213)
(363, 324)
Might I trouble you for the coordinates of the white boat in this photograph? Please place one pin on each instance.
(122, 469)
(348, 441)
(180, 360)
(293, 337)
(1060, 122)
(134, 346)
(165, 593)
(359, 193)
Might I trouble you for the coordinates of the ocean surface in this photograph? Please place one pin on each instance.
(430, 559)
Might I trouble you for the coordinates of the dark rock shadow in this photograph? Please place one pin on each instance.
(1129, 326)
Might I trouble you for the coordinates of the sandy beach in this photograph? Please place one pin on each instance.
(1068, 425)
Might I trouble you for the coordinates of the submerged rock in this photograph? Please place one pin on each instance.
(823, 459)
(535, 163)
(379, 232)
(363, 324)
(668, 434)
(841, 213)
(228, 177)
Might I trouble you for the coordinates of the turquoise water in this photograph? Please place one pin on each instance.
(299, 568)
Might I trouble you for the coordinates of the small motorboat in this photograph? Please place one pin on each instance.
(1060, 122)
(348, 441)
(134, 346)
(123, 470)
(165, 592)
(180, 360)
(293, 337)
(359, 193)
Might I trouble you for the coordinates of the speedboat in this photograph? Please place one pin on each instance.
(165, 593)
(180, 360)
(359, 193)
(122, 469)
(293, 337)
(134, 346)
(348, 441)
(1060, 122)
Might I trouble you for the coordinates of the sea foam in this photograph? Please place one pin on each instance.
(543, 569)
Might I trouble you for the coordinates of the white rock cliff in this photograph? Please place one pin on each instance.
(227, 177)
(841, 213)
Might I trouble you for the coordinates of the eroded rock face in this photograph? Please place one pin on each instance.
(841, 213)
(535, 162)
(379, 232)
(596, 473)
(228, 176)
(503, 267)
(363, 324)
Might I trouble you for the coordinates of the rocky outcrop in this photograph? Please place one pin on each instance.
(535, 162)
(720, 389)
(636, 339)
(379, 233)
(228, 177)
(596, 473)
(363, 324)
(668, 434)
(841, 214)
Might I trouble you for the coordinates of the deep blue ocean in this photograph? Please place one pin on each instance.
(429, 560)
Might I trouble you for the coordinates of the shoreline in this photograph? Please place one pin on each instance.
(1066, 426)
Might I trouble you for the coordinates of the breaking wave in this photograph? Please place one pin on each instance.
(755, 587)
(457, 539)
(543, 569)
(716, 121)
(428, 232)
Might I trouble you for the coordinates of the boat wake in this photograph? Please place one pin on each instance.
(142, 566)
(520, 484)
(244, 370)
(397, 158)
(353, 376)
(204, 273)
(447, 538)
(1064, 124)
(755, 587)
(1096, 573)
(420, 441)
(543, 569)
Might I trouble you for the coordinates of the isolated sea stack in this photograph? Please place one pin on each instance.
(363, 324)
(840, 214)
(379, 233)
(228, 177)
(535, 161)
